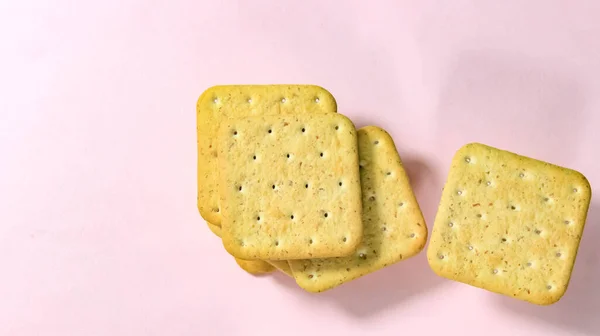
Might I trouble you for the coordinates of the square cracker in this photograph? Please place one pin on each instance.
(230, 101)
(509, 224)
(289, 186)
(394, 228)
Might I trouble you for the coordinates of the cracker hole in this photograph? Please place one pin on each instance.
(521, 175)
(450, 224)
(558, 254)
(372, 198)
(412, 235)
(249, 100)
(467, 159)
(495, 271)
(488, 183)
(362, 256)
(317, 99)
(303, 129)
(216, 100)
(258, 218)
(337, 128)
(440, 256)
(401, 204)
(388, 173)
(549, 287)
(270, 131)
(567, 222)
(273, 187)
(459, 192)
(216, 210)
(546, 199)
(340, 183)
(288, 155)
(504, 240)
(310, 276)
(283, 100)
(537, 231)
(529, 264)
(512, 207)
(321, 154)
(292, 217)
(470, 248)
(277, 243)
(575, 190)
(344, 239)
(306, 186)
(235, 133)
(384, 228)
(240, 188)
(376, 142)
(479, 215)
(326, 215)
(310, 241)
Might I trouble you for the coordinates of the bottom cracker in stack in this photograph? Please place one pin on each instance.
(394, 228)
(509, 224)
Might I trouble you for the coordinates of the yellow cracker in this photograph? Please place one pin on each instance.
(255, 267)
(221, 102)
(509, 224)
(289, 186)
(216, 229)
(394, 228)
(250, 266)
(281, 265)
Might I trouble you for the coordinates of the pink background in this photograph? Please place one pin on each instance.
(99, 231)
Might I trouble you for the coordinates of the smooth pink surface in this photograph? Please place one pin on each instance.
(99, 231)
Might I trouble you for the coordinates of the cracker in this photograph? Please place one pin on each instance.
(281, 265)
(255, 267)
(394, 228)
(221, 102)
(216, 229)
(289, 186)
(251, 266)
(509, 224)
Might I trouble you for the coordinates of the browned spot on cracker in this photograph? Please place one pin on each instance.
(476, 204)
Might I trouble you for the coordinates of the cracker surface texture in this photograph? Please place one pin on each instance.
(221, 102)
(394, 228)
(290, 186)
(509, 224)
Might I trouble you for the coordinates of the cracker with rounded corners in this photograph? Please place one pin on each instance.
(509, 224)
(289, 186)
(231, 101)
(394, 228)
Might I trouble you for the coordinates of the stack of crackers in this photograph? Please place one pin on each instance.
(288, 184)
